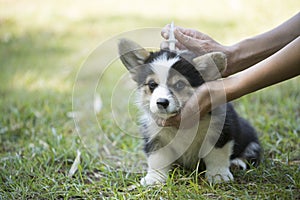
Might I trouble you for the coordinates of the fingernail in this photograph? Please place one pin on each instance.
(166, 35)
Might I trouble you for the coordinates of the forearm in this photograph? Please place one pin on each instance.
(281, 66)
(253, 50)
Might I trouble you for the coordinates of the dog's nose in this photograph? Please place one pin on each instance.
(162, 103)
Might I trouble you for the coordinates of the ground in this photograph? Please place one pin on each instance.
(43, 44)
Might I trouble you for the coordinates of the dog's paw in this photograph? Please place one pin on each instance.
(219, 175)
(238, 163)
(153, 179)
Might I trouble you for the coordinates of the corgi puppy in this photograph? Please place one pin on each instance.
(165, 81)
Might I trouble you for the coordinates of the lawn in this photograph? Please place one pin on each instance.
(54, 146)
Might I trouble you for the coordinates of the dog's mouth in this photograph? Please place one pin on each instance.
(165, 114)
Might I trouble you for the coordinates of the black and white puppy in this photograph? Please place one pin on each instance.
(166, 80)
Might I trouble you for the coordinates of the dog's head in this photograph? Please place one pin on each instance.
(167, 79)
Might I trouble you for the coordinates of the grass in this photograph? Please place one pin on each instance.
(42, 46)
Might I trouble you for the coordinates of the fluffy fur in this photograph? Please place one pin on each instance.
(166, 80)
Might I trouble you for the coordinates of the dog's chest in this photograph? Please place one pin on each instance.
(183, 145)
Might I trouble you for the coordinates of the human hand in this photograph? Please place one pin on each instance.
(205, 98)
(195, 41)
(197, 106)
(188, 117)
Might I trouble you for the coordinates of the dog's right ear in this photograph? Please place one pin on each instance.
(132, 56)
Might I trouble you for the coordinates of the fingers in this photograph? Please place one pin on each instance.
(193, 33)
(165, 31)
(184, 39)
(160, 121)
(186, 119)
(172, 121)
(164, 45)
(165, 34)
(191, 43)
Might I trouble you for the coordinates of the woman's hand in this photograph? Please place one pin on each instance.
(278, 49)
(192, 40)
(195, 41)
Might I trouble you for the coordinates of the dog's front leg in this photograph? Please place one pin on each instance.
(159, 163)
(217, 164)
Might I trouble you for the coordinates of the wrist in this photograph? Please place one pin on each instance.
(214, 94)
(232, 54)
(232, 87)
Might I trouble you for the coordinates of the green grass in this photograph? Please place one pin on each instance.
(42, 46)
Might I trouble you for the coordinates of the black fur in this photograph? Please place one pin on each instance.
(187, 70)
(238, 129)
(183, 66)
(154, 55)
(152, 145)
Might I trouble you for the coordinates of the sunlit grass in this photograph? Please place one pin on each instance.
(32, 81)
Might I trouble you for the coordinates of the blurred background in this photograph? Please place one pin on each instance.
(43, 43)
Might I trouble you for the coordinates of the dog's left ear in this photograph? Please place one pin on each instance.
(211, 65)
(132, 56)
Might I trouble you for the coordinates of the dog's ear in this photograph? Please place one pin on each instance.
(211, 65)
(132, 56)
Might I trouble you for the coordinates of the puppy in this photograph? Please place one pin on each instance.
(166, 80)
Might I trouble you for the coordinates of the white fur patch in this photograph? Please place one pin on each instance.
(238, 162)
(217, 164)
(162, 92)
(159, 164)
(161, 67)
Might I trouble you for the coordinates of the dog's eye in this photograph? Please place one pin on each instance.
(152, 85)
(179, 85)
